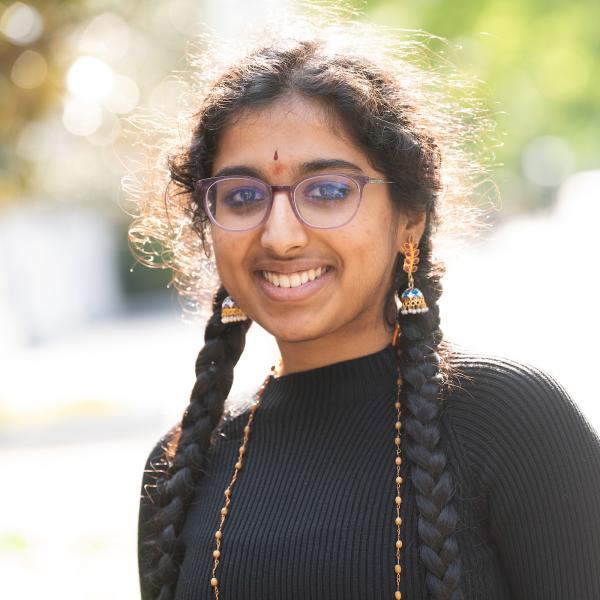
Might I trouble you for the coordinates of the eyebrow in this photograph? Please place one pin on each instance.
(311, 166)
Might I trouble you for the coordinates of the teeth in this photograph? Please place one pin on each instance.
(292, 280)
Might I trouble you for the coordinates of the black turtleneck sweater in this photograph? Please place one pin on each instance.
(312, 512)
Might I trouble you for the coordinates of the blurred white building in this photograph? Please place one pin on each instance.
(58, 272)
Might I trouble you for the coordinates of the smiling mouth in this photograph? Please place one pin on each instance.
(292, 280)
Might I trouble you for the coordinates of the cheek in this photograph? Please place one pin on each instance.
(229, 254)
(366, 247)
(368, 253)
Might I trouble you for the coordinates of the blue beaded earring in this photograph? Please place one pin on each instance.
(231, 312)
(412, 298)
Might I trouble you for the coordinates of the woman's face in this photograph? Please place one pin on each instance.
(345, 302)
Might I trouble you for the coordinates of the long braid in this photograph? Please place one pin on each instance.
(420, 365)
(186, 452)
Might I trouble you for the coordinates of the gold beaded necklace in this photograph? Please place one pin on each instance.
(214, 582)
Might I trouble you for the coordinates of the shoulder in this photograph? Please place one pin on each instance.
(506, 413)
(503, 386)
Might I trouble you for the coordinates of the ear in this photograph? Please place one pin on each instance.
(411, 223)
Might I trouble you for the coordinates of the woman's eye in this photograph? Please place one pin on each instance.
(327, 191)
(243, 197)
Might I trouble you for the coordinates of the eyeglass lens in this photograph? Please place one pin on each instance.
(240, 203)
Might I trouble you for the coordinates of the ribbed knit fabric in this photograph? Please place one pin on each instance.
(312, 512)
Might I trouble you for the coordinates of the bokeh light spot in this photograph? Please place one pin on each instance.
(547, 160)
(29, 70)
(107, 35)
(80, 117)
(90, 78)
(107, 132)
(124, 95)
(21, 23)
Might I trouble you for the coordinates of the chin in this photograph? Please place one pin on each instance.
(293, 331)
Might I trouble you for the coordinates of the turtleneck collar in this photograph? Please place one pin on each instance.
(343, 383)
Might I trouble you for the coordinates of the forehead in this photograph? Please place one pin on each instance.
(298, 129)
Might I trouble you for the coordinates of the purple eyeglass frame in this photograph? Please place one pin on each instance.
(203, 185)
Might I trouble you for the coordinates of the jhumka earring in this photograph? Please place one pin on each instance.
(231, 312)
(412, 298)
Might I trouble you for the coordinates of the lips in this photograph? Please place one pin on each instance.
(293, 286)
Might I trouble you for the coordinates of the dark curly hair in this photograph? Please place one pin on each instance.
(397, 113)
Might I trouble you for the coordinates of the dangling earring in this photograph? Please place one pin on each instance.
(412, 298)
(231, 312)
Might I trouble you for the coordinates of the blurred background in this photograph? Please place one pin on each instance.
(96, 361)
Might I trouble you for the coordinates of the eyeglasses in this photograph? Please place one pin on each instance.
(324, 201)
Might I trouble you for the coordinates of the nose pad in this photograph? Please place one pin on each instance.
(283, 231)
(282, 207)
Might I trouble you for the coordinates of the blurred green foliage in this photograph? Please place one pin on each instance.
(539, 61)
(11, 541)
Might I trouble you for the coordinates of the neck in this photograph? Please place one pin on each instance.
(331, 348)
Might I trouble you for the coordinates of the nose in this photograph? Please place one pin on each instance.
(283, 233)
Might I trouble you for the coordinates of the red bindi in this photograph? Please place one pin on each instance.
(277, 168)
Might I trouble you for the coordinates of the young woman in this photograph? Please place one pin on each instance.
(377, 460)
